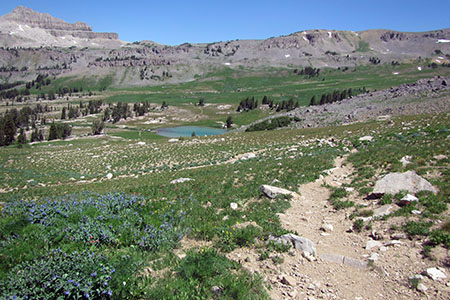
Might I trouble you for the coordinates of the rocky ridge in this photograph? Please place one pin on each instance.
(26, 27)
(24, 30)
(28, 16)
(424, 96)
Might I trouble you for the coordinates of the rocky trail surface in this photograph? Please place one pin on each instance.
(347, 265)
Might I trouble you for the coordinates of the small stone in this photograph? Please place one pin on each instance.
(376, 236)
(216, 290)
(293, 293)
(435, 274)
(406, 160)
(233, 205)
(416, 212)
(399, 236)
(422, 288)
(374, 257)
(440, 157)
(349, 189)
(384, 210)
(367, 138)
(372, 244)
(173, 140)
(288, 280)
(408, 199)
(354, 263)
(308, 256)
(392, 243)
(273, 191)
(416, 277)
(109, 176)
(180, 180)
(248, 156)
(327, 228)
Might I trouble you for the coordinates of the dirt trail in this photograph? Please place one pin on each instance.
(349, 278)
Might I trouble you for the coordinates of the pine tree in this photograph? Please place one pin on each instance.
(63, 113)
(229, 122)
(52, 135)
(9, 130)
(22, 138)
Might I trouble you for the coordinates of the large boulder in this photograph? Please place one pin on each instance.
(273, 191)
(408, 181)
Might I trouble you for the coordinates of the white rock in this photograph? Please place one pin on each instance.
(405, 160)
(140, 143)
(416, 212)
(109, 176)
(374, 256)
(435, 274)
(408, 199)
(367, 138)
(273, 191)
(300, 243)
(349, 189)
(440, 157)
(248, 156)
(327, 228)
(408, 181)
(373, 244)
(180, 180)
(393, 243)
(383, 210)
(417, 276)
(233, 205)
(422, 288)
(173, 140)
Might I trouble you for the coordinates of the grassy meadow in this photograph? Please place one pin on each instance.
(98, 217)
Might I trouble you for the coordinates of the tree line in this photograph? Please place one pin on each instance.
(335, 96)
(308, 71)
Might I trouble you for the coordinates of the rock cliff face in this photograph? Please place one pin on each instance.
(36, 43)
(26, 27)
(85, 34)
(27, 16)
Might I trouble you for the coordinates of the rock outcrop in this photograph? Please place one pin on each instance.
(32, 18)
(27, 27)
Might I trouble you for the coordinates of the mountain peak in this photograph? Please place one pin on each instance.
(28, 16)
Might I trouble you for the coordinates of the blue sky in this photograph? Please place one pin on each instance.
(174, 22)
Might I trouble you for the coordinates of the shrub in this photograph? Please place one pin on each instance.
(97, 127)
(417, 228)
(270, 124)
(60, 276)
(358, 225)
(438, 237)
(204, 265)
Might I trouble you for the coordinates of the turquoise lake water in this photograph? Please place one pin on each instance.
(185, 131)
